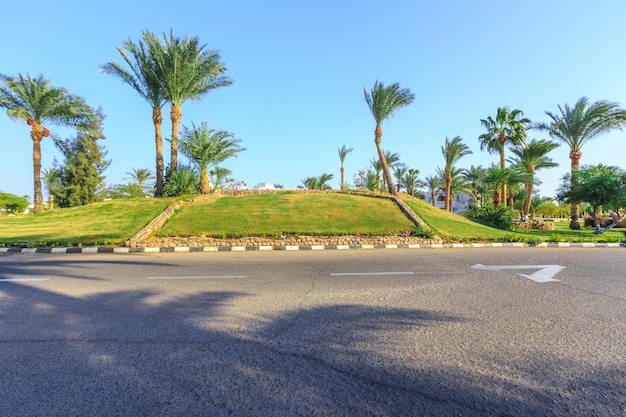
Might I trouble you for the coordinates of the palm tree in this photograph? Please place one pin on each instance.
(219, 177)
(578, 125)
(399, 171)
(532, 157)
(410, 181)
(39, 104)
(187, 71)
(452, 151)
(311, 183)
(508, 127)
(139, 176)
(343, 152)
(496, 177)
(322, 180)
(392, 160)
(206, 146)
(458, 184)
(433, 182)
(383, 102)
(474, 176)
(378, 168)
(142, 75)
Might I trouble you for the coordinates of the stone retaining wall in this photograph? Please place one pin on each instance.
(173, 242)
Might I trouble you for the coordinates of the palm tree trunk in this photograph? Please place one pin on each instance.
(502, 140)
(447, 200)
(205, 186)
(529, 191)
(432, 197)
(342, 174)
(176, 116)
(378, 134)
(36, 135)
(574, 155)
(157, 119)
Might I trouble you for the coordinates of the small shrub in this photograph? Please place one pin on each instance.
(499, 217)
(556, 237)
(424, 232)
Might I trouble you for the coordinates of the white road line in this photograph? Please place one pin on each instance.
(23, 279)
(203, 277)
(338, 274)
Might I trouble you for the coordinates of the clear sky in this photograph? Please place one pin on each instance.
(300, 68)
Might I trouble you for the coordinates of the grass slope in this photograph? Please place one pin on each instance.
(273, 215)
(451, 226)
(288, 213)
(104, 223)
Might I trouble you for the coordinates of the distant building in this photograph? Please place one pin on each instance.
(235, 185)
(264, 186)
(460, 204)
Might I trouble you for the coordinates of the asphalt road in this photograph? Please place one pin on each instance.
(393, 332)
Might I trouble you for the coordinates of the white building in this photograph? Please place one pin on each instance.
(264, 186)
(460, 204)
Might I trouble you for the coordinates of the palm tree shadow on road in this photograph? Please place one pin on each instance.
(125, 354)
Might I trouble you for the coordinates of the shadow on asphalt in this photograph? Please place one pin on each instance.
(123, 354)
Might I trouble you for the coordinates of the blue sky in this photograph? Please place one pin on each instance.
(300, 68)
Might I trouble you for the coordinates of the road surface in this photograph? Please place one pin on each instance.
(393, 332)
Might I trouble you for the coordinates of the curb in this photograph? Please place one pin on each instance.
(186, 249)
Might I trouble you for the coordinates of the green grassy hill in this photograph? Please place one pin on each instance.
(112, 223)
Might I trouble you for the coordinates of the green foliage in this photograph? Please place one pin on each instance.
(599, 185)
(181, 182)
(499, 217)
(12, 203)
(80, 179)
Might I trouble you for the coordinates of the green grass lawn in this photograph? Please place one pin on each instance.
(104, 223)
(451, 226)
(454, 227)
(278, 214)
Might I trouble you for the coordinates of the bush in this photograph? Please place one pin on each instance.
(499, 217)
(180, 182)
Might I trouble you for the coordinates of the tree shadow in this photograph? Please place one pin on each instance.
(129, 353)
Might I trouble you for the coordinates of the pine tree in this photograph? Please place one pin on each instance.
(80, 179)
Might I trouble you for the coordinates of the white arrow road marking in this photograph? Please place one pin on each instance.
(545, 273)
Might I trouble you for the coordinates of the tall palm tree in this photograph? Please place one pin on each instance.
(39, 104)
(140, 176)
(578, 125)
(508, 127)
(187, 71)
(452, 151)
(142, 75)
(383, 102)
(433, 182)
(343, 152)
(204, 146)
(532, 157)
